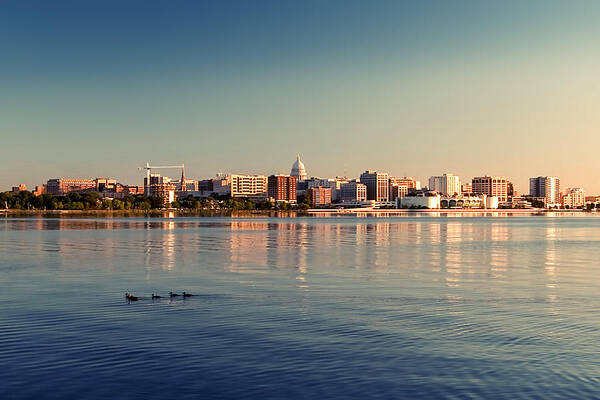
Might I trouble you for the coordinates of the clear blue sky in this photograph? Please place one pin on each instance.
(418, 88)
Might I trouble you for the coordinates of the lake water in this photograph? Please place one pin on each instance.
(301, 308)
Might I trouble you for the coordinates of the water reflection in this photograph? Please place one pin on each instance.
(453, 248)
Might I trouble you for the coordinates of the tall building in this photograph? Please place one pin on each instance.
(319, 196)
(547, 187)
(447, 184)
(238, 185)
(377, 184)
(160, 186)
(399, 187)
(282, 188)
(353, 191)
(491, 186)
(298, 170)
(573, 198)
(466, 188)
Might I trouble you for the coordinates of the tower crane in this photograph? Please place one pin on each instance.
(149, 168)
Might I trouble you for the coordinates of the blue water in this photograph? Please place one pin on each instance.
(301, 308)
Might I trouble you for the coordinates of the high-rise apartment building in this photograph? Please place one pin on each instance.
(319, 196)
(491, 186)
(446, 184)
(353, 191)
(399, 187)
(547, 187)
(238, 185)
(282, 188)
(573, 198)
(377, 184)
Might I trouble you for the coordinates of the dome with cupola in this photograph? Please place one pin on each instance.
(298, 169)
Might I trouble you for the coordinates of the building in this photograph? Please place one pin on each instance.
(573, 198)
(39, 190)
(447, 184)
(166, 191)
(353, 191)
(377, 184)
(162, 187)
(62, 186)
(492, 186)
(282, 188)
(400, 187)
(298, 170)
(107, 184)
(238, 185)
(430, 200)
(319, 196)
(510, 190)
(18, 189)
(547, 187)
(466, 188)
(334, 184)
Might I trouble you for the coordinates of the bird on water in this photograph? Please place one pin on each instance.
(187, 294)
(131, 297)
(155, 296)
(171, 294)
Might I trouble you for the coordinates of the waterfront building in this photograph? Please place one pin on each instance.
(353, 191)
(466, 188)
(430, 200)
(518, 202)
(160, 186)
(547, 187)
(319, 196)
(492, 186)
(298, 170)
(238, 185)
(63, 186)
(446, 184)
(282, 188)
(400, 187)
(334, 184)
(573, 198)
(377, 184)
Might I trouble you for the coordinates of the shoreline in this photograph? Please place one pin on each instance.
(319, 213)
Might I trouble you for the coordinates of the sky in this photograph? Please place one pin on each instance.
(419, 88)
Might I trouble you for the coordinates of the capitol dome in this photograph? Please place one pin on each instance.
(298, 169)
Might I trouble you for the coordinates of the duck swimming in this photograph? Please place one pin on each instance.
(187, 294)
(155, 296)
(171, 294)
(131, 297)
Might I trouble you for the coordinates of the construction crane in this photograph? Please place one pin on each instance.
(149, 168)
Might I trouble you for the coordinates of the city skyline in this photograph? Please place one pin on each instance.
(426, 182)
(470, 88)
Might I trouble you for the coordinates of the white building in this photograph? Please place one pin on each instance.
(447, 184)
(573, 198)
(238, 185)
(298, 170)
(427, 200)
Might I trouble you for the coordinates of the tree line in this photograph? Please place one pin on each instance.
(26, 200)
